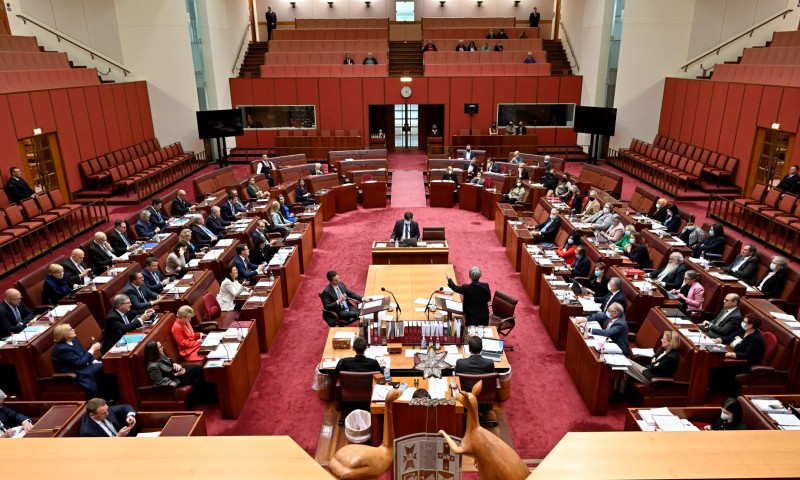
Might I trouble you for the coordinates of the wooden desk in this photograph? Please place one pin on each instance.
(326, 199)
(198, 282)
(408, 282)
(531, 271)
(252, 456)
(121, 364)
(603, 252)
(237, 375)
(346, 198)
(555, 313)
(503, 212)
(268, 314)
(765, 308)
(50, 419)
(95, 300)
(172, 424)
(469, 197)
(489, 199)
(302, 238)
(661, 247)
(442, 194)
(158, 250)
(498, 146)
(243, 229)
(639, 302)
(288, 271)
(313, 215)
(592, 377)
(217, 259)
(175, 225)
(373, 194)
(517, 238)
(761, 418)
(769, 454)
(715, 289)
(693, 414)
(432, 252)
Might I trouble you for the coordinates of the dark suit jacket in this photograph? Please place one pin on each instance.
(246, 268)
(599, 287)
(712, 245)
(139, 303)
(18, 189)
(200, 237)
(117, 415)
(673, 223)
(494, 168)
(157, 217)
(548, 235)
(144, 229)
(10, 419)
(397, 231)
(747, 272)
(54, 289)
(8, 321)
(99, 258)
(216, 225)
(581, 267)
(476, 297)
(474, 364)
(640, 255)
(453, 177)
(674, 279)
(773, 287)
(751, 348)
(230, 215)
(117, 244)
(660, 215)
(75, 358)
(617, 332)
(359, 363)
(72, 274)
(262, 256)
(154, 284)
(180, 207)
(788, 184)
(608, 299)
(725, 327)
(329, 297)
(666, 366)
(115, 328)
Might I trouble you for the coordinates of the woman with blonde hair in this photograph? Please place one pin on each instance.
(187, 339)
(69, 356)
(55, 286)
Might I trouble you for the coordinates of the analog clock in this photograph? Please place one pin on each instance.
(405, 91)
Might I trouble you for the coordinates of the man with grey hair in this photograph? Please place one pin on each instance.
(612, 325)
(76, 271)
(180, 206)
(144, 229)
(100, 254)
(771, 285)
(614, 295)
(671, 276)
(118, 323)
(215, 222)
(476, 297)
(317, 169)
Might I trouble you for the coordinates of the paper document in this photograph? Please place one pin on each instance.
(212, 254)
(293, 236)
(102, 279)
(372, 304)
(224, 351)
(647, 415)
(616, 360)
(376, 351)
(723, 276)
(62, 310)
(213, 339)
(412, 351)
(451, 349)
(769, 405)
(421, 301)
(785, 419)
(379, 392)
(668, 423)
(453, 305)
(225, 242)
(589, 305)
(643, 352)
(437, 387)
(194, 262)
(148, 434)
(328, 363)
(783, 316)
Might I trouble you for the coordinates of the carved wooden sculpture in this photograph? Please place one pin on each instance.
(362, 462)
(493, 457)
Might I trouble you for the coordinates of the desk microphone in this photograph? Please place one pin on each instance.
(399, 310)
(428, 305)
(227, 354)
(239, 333)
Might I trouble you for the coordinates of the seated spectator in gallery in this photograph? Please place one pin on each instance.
(502, 34)
(493, 129)
(498, 47)
(486, 47)
(510, 127)
(461, 47)
(471, 47)
(529, 58)
(370, 60)
(429, 47)
(348, 60)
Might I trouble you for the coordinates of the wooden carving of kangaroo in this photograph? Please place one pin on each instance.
(493, 457)
(363, 462)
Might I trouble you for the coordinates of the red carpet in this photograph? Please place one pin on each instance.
(408, 190)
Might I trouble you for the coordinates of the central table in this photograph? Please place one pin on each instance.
(431, 252)
(407, 282)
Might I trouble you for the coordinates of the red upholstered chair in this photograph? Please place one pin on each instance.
(502, 317)
(366, 177)
(214, 317)
(765, 378)
(488, 183)
(354, 387)
(489, 389)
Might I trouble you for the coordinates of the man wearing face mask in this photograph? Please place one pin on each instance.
(613, 233)
(691, 235)
(671, 276)
(549, 180)
(592, 206)
(601, 220)
(406, 230)
(546, 231)
(771, 285)
(516, 194)
(614, 295)
(613, 325)
(580, 268)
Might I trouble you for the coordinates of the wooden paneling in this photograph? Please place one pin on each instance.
(22, 113)
(145, 112)
(80, 118)
(133, 111)
(701, 113)
(716, 113)
(96, 119)
(123, 116)
(40, 101)
(109, 113)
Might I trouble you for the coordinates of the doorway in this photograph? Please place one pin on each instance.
(404, 11)
(406, 126)
(41, 163)
(773, 148)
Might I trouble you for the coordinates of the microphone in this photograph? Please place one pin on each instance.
(239, 333)
(227, 354)
(428, 305)
(399, 310)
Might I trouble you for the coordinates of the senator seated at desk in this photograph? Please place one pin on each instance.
(229, 289)
(745, 265)
(691, 294)
(692, 235)
(406, 230)
(336, 297)
(516, 195)
(75, 269)
(600, 220)
(181, 206)
(141, 297)
(664, 362)
(713, 245)
(215, 223)
(118, 238)
(69, 356)
(613, 233)
(14, 314)
(11, 422)
(158, 219)
(598, 281)
(55, 286)
(475, 363)
(476, 296)
(100, 254)
(771, 284)
(101, 420)
(193, 251)
(253, 192)
(727, 321)
(163, 371)
(671, 276)
(637, 252)
(359, 362)
(592, 206)
(188, 341)
(144, 229)
(612, 325)
(153, 278)
(233, 208)
(118, 323)
(614, 295)
(303, 196)
(546, 231)
(582, 265)
(730, 418)
(748, 345)
(176, 260)
(246, 269)
(478, 179)
(202, 236)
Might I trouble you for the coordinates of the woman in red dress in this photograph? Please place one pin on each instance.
(188, 341)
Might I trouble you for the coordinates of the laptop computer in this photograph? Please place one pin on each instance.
(576, 287)
(492, 349)
(408, 242)
(666, 292)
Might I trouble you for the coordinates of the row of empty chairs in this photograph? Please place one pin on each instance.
(319, 58)
(783, 75)
(26, 80)
(321, 23)
(332, 34)
(719, 167)
(476, 32)
(462, 22)
(33, 61)
(488, 70)
(771, 56)
(482, 57)
(328, 46)
(291, 71)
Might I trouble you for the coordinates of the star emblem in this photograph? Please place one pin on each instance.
(431, 363)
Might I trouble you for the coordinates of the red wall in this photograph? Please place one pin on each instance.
(343, 103)
(723, 116)
(90, 121)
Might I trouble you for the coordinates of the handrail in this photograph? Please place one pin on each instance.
(737, 37)
(25, 19)
(571, 50)
(241, 45)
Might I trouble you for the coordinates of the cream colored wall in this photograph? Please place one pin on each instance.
(222, 23)
(717, 20)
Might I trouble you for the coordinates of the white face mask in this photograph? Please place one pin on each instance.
(552, 217)
(744, 326)
(606, 210)
(569, 241)
(773, 267)
(724, 416)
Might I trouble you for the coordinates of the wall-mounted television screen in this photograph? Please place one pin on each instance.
(220, 123)
(595, 120)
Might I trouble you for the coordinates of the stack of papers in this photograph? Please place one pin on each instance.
(770, 405)
(257, 299)
(375, 351)
(293, 236)
(617, 361)
(225, 351)
(329, 362)
(437, 387)
(213, 339)
(194, 262)
(786, 421)
(723, 276)
(643, 352)
(213, 254)
(61, 310)
(225, 242)
(589, 305)
(103, 279)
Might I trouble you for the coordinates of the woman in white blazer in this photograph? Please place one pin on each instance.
(229, 289)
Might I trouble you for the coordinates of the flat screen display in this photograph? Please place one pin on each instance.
(595, 120)
(220, 123)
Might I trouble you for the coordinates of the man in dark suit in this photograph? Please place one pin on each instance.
(534, 18)
(9, 419)
(233, 208)
(791, 182)
(612, 325)
(180, 206)
(202, 236)
(266, 167)
(100, 254)
(17, 188)
(476, 297)
(546, 231)
(745, 265)
(144, 229)
(244, 266)
(671, 276)
(119, 241)
(660, 214)
(141, 297)
(336, 298)
(272, 22)
(153, 278)
(406, 228)
(215, 223)
(118, 323)
(475, 363)
(14, 314)
(728, 320)
(614, 295)
(581, 266)
(101, 420)
(75, 269)
(317, 170)
(158, 219)
(771, 285)
(358, 363)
